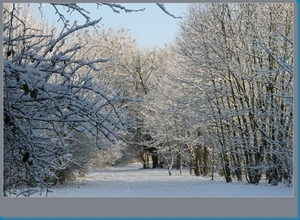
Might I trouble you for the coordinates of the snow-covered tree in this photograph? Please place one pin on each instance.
(45, 95)
(238, 59)
(53, 105)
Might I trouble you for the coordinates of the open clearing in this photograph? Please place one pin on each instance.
(132, 181)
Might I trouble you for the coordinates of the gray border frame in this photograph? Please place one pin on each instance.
(156, 207)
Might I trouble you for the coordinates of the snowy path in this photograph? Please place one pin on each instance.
(131, 181)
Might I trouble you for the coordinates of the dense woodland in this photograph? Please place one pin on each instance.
(218, 100)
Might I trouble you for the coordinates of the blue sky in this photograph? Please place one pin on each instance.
(151, 27)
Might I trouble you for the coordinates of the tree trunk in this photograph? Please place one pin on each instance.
(179, 163)
(198, 162)
(148, 161)
(192, 165)
(154, 160)
(227, 169)
(170, 165)
(205, 161)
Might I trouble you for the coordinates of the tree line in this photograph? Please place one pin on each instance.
(218, 100)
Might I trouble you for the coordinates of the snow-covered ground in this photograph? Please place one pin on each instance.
(132, 181)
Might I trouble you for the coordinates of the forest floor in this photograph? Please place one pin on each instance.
(133, 181)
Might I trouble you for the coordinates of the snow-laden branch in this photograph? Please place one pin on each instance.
(117, 7)
(162, 7)
(71, 7)
(48, 92)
